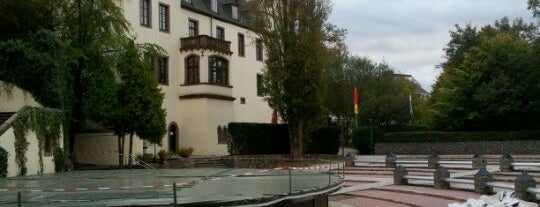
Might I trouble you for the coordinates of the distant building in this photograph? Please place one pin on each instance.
(420, 92)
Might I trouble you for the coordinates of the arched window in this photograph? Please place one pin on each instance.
(218, 71)
(192, 69)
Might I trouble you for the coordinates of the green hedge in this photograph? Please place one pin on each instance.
(404, 128)
(435, 136)
(253, 139)
(324, 140)
(3, 162)
(361, 138)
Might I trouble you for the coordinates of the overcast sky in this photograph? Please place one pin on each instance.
(410, 34)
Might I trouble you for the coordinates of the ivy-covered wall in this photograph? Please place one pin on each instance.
(24, 141)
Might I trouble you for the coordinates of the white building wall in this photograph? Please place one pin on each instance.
(14, 99)
(7, 141)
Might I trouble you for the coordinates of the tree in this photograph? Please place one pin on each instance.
(534, 6)
(490, 85)
(293, 34)
(137, 107)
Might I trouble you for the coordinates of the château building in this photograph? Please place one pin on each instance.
(210, 76)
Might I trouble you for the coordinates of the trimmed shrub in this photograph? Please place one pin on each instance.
(361, 139)
(435, 136)
(185, 152)
(324, 140)
(148, 158)
(253, 138)
(3, 162)
(58, 157)
(404, 128)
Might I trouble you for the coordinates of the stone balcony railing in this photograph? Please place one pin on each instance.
(205, 42)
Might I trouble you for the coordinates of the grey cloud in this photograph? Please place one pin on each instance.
(410, 34)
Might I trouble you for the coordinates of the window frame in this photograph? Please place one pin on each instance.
(148, 11)
(259, 51)
(192, 70)
(164, 20)
(241, 45)
(234, 12)
(260, 85)
(195, 28)
(48, 145)
(221, 74)
(162, 75)
(220, 30)
(214, 6)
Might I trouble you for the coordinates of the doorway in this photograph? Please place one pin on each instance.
(173, 137)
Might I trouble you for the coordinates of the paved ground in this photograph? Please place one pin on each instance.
(370, 184)
(145, 187)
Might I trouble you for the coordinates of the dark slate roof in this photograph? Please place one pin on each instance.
(224, 10)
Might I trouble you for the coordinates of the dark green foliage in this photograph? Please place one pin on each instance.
(324, 140)
(253, 139)
(490, 80)
(433, 136)
(361, 138)
(36, 64)
(59, 165)
(148, 158)
(3, 162)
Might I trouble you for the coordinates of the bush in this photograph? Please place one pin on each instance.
(361, 138)
(185, 152)
(59, 163)
(148, 158)
(435, 136)
(324, 140)
(404, 128)
(3, 162)
(252, 138)
(163, 155)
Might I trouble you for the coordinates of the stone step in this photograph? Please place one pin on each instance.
(404, 198)
(430, 191)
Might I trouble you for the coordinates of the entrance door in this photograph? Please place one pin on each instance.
(173, 137)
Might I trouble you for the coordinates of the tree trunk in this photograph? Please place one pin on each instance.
(130, 160)
(296, 132)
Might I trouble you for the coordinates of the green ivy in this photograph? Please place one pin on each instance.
(44, 122)
(58, 159)
(3, 162)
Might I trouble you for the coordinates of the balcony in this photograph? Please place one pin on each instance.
(205, 42)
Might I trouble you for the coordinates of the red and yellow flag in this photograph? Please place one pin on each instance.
(355, 97)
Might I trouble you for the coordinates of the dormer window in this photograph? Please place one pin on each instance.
(214, 6)
(234, 12)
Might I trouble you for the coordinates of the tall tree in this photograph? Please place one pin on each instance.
(293, 34)
(492, 83)
(92, 28)
(137, 107)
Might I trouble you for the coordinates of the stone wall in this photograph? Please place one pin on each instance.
(491, 147)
